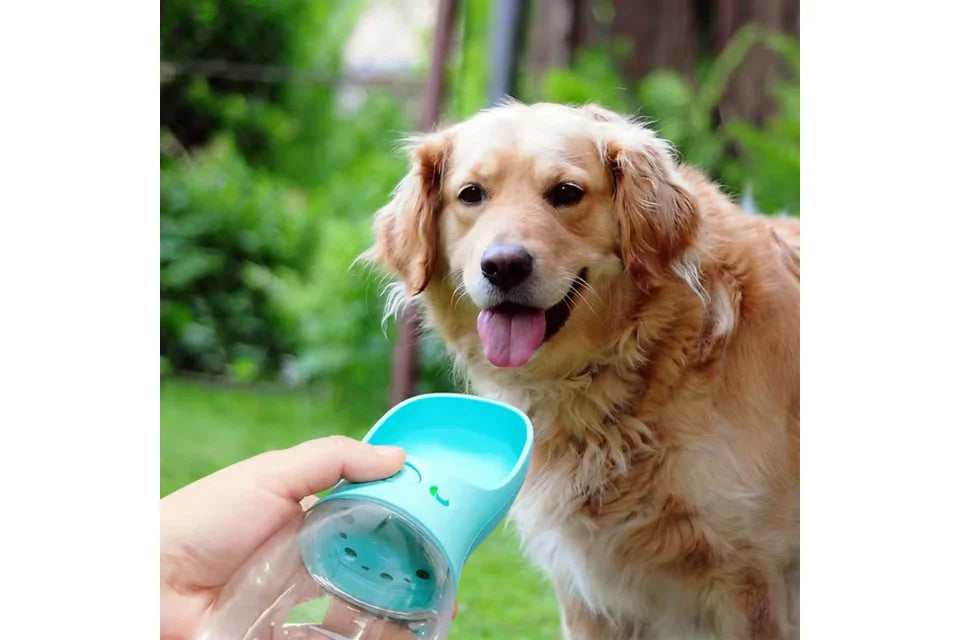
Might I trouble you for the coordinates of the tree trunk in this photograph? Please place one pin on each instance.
(662, 33)
(748, 96)
(558, 28)
(551, 37)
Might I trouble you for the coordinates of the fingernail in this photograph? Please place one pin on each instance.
(387, 451)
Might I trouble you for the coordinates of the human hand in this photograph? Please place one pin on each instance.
(209, 528)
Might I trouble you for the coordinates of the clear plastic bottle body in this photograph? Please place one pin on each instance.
(353, 570)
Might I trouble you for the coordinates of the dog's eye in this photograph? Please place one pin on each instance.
(470, 194)
(565, 195)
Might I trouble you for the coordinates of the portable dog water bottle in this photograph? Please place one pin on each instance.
(381, 560)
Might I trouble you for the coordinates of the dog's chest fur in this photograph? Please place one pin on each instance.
(562, 535)
(609, 514)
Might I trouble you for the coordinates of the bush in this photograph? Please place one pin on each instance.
(289, 303)
(335, 307)
(221, 225)
(256, 50)
(239, 31)
(254, 271)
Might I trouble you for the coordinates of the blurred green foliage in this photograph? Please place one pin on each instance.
(221, 224)
(267, 190)
(276, 124)
(469, 74)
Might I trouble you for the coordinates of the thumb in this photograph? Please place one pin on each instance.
(316, 465)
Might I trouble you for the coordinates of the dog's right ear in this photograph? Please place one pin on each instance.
(406, 234)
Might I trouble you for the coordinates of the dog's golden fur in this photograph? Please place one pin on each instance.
(663, 497)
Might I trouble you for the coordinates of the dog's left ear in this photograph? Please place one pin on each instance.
(657, 215)
(406, 230)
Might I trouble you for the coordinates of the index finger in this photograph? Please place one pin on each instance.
(313, 466)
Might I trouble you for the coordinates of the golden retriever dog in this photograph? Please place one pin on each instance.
(650, 329)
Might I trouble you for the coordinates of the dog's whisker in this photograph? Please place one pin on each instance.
(589, 306)
(455, 278)
(583, 283)
(450, 275)
(586, 302)
(589, 287)
(568, 302)
(459, 293)
(579, 282)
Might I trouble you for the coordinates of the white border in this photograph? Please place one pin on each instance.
(879, 324)
(79, 399)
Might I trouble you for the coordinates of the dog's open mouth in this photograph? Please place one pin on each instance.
(511, 333)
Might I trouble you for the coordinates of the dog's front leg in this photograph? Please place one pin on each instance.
(582, 623)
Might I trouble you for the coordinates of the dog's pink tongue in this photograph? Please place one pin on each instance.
(509, 339)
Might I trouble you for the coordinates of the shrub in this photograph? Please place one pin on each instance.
(221, 224)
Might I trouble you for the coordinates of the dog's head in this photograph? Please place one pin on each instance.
(522, 217)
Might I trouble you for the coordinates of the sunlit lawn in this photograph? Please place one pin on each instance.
(205, 428)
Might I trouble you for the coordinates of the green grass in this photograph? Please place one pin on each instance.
(205, 428)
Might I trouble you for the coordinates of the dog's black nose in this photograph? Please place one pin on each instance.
(506, 265)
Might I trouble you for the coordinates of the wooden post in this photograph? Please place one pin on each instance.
(558, 29)
(404, 375)
(504, 43)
